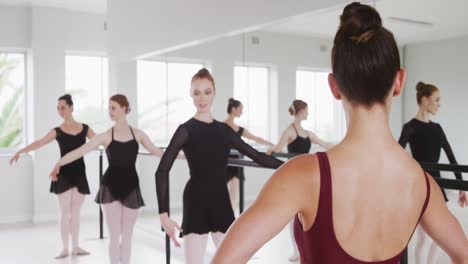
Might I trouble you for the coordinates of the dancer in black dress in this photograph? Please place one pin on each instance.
(236, 174)
(73, 185)
(119, 193)
(206, 144)
(426, 140)
(299, 141)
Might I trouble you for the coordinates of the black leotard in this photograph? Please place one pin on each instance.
(73, 174)
(120, 181)
(300, 145)
(236, 172)
(426, 141)
(207, 207)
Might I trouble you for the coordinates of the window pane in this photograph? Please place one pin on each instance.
(164, 97)
(180, 105)
(152, 97)
(326, 115)
(86, 79)
(12, 105)
(251, 87)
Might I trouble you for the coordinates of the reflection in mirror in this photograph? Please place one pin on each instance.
(268, 69)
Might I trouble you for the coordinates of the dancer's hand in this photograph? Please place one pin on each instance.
(462, 199)
(170, 227)
(55, 172)
(14, 158)
(270, 151)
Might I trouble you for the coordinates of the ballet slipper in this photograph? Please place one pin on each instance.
(79, 252)
(63, 254)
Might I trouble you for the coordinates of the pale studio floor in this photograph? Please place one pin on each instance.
(38, 244)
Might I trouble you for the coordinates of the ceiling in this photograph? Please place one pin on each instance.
(93, 6)
(449, 19)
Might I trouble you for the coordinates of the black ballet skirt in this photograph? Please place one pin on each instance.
(236, 172)
(426, 141)
(73, 174)
(206, 204)
(120, 181)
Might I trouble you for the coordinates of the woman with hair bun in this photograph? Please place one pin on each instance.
(206, 143)
(73, 184)
(236, 174)
(360, 201)
(299, 141)
(426, 140)
(119, 193)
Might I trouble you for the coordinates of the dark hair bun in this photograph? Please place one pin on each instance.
(420, 86)
(359, 22)
(365, 56)
(67, 98)
(232, 103)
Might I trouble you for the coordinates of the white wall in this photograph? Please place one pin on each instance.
(47, 34)
(151, 25)
(442, 63)
(16, 190)
(15, 27)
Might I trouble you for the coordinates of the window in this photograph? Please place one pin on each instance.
(326, 115)
(251, 87)
(164, 97)
(86, 79)
(12, 100)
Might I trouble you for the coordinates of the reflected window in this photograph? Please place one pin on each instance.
(251, 87)
(86, 79)
(326, 114)
(164, 97)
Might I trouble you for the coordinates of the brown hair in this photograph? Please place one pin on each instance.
(67, 98)
(297, 106)
(232, 103)
(204, 74)
(424, 90)
(365, 57)
(122, 101)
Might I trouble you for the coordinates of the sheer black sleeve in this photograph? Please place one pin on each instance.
(406, 133)
(167, 160)
(449, 152)
(246, 149)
